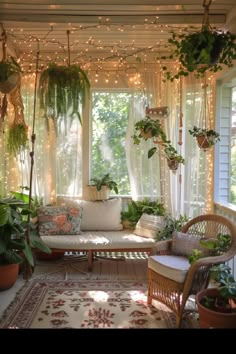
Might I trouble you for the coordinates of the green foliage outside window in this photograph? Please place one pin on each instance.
(109, 124)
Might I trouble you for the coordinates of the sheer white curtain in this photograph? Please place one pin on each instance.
(144, 173)
(188, 191)
(198, 170)
(57, 160)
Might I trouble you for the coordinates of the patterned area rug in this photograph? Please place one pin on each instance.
(87, 304)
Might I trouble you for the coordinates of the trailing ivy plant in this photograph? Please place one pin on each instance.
(62, 93)
(200, 51)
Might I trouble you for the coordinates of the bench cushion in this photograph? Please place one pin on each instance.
(101, 240)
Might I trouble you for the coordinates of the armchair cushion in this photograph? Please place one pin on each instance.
(171, 267)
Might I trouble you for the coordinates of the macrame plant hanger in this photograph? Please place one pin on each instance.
(27, 268)
(180, 142)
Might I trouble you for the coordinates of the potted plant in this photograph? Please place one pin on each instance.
(14, 247)
(134, 210)
(62, 93)
(206, 138)
(201, 51)
(147, 129)
(100, 188)
(216, 306)
(173, 158)
(9, 75)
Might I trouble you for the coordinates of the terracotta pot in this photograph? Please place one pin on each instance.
(173, 164)
(8, 85)
(212, 319)
(203, 142)
(146, 135)
(8, 275)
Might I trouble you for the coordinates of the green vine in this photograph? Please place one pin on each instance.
(62, 91)
(17, 139)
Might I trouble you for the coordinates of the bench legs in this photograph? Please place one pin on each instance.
(90, 260)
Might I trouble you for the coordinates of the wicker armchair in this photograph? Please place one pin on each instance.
(173, 291)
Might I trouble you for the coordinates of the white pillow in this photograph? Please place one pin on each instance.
(102, 215)
(149, 225)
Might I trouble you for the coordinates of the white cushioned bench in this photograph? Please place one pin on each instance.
(97, 216)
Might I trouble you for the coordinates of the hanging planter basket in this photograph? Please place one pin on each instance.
(203, 142)
(173, 164)
(8, 85)
(147, 134)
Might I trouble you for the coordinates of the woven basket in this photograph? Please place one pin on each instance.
(94, 194)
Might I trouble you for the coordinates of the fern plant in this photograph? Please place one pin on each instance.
(62, 93)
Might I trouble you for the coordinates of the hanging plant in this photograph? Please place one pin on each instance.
(62, 93)
(206, 138)
(149, 129)
(17, 138)
(173, 158)
(201, 51)
(9, 75)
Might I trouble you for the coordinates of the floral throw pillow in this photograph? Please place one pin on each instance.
(59, 220)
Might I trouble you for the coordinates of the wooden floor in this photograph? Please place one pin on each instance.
(125, 267)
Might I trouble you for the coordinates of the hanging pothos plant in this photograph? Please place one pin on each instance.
(201, 51)
(62, 93)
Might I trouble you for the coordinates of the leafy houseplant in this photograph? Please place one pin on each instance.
(14, 247)
(147, 129)
(100, 188)
(171, 224)
(201, 51)
(173, 158)
(106, 180)
(62, 92)
(135, 209)
(216, 306)
(206, 138)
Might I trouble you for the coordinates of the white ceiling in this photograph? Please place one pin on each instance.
(102, 30)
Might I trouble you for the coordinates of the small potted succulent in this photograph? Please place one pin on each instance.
(206, 138)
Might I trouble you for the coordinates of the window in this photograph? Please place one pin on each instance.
(110, 111)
